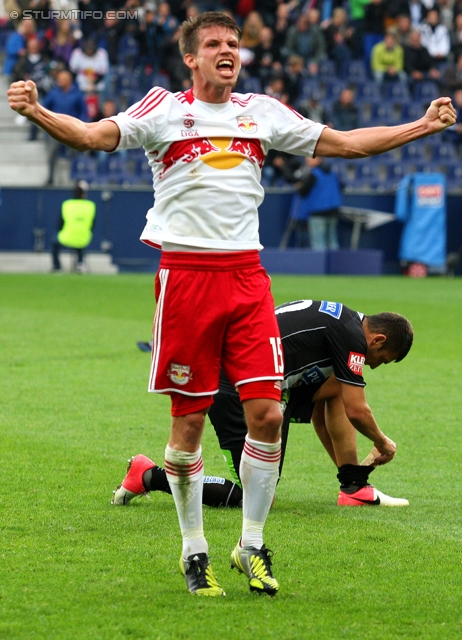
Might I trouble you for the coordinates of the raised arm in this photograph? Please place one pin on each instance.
(82, 136)
(361, 143)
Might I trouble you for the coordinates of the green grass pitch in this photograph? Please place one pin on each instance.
(74, 407)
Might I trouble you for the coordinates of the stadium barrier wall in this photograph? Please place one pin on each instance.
(29, 216)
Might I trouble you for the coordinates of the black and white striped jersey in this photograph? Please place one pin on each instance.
(320, 338)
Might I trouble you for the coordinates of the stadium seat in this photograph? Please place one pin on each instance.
(84, 167)
(454, 177)
(156, 80)
(327, 68)
(415, 152)
(128, 51)
(426, 91)
(309, 87)
(366, 175)
(369, 92)
(396, 91)
(384, 113)
(333, 88)
(412, 111)
(445, 152)
(250, 85)
(357, 71)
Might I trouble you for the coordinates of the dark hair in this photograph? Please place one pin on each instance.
(396, 328)
(189, 29)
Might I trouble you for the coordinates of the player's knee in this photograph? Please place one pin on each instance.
(264, 420)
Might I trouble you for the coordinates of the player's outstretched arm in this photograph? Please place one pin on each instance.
(361, 143)
(361, 417)
(82, 136)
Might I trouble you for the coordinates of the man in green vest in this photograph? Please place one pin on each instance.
(75, 226)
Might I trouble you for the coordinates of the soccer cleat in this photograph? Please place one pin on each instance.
(199, 576)
(256, 564)
(369, 496)
(132, 485)
(144, 346)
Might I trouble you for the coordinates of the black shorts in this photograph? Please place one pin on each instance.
(227, 416)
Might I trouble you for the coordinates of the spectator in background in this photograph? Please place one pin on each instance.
(75, 226)
(173, 65)
(294, 75)
(339, 36)
(313, 109)
(435, 37)
(90, 64)
(33, 65)
(276, 88)
(403, 29)
(251, 32)
(281, 25)
(315, 205)
(61, 40)
(387, 59)
(418, 12)
(446, 9)
(345, 114)
(165, 26)
(267, 57)
(456, 36)
(452, 77)
(374, 27)
(356, 10)
(306, 39)
(16, 44)
(66, 98)
(418, 63)
(454, 133)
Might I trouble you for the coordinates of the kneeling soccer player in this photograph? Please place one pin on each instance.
(325, 346)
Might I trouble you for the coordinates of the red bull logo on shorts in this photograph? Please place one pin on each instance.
(179, 373)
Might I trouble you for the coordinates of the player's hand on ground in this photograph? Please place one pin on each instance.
(440, 114)
(23, 97)
(386, 449)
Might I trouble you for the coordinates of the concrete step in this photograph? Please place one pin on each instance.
(30, 262)
(23, 151)
(15, 174)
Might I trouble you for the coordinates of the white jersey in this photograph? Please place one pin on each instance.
(206, 161)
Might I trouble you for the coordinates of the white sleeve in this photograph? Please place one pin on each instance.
(134, 132)
(292, 132)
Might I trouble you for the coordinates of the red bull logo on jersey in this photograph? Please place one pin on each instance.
(218, 153)
(356, 362)
(246, 124)
(179, 373)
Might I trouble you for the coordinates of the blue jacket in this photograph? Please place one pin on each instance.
(72, 102)
(324, 195)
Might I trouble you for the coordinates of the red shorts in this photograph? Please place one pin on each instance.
(213, 310)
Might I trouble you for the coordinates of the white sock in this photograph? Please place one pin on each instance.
(259, 472)
(185, 473)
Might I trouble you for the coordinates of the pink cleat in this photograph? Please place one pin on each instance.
(369, 496)
(132, 484)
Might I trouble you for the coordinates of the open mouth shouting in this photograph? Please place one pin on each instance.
(226, 67)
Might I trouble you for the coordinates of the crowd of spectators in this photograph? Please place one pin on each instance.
(336, 61)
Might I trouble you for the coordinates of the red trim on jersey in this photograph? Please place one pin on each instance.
(151, 243)
(287, 107)
(145, 107)
(142, 104)
(189, 96)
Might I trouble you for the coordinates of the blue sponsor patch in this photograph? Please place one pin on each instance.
(333, 309)
(313, 376)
